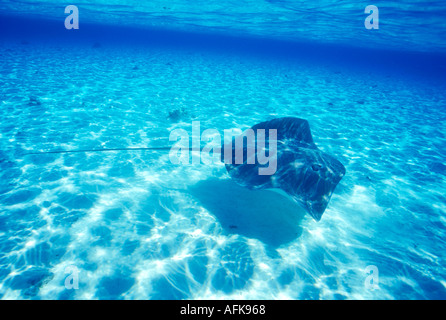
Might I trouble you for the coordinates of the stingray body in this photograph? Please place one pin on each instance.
(304, 173)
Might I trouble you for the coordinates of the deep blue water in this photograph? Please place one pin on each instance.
(136, 226)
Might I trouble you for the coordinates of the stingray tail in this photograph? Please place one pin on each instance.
(105, 150)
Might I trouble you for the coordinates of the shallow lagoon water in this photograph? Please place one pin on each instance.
(137, 226)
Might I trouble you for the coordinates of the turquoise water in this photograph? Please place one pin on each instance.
(136, 226)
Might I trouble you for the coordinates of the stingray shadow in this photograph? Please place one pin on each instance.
(261, 214)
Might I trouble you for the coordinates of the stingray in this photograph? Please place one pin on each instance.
(302, 172)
